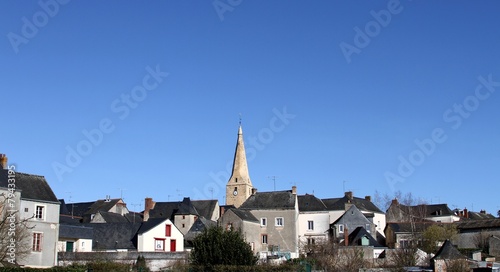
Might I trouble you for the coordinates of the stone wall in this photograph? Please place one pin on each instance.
(154, 260)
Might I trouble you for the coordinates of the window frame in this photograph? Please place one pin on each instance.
(37, 242)
(341, 228)
(168, 230)
(310, 225)
(263, 239)
(159, 241)
(40, 215)
(277, 222)
(263, 221)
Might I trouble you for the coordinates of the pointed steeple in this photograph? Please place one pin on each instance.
(239, 187)
(240, 167)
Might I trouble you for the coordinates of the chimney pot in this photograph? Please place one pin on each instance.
(3, 161)
(294, 190)
(369, 198)
(348, 194)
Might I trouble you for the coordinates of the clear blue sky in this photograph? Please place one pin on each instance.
(361, 87)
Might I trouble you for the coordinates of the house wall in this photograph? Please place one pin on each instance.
(184, 222)
(48, 226)
(494, 243)
(146, 241)
(286, 237)
(379, 221)
(321, 224)
(249, 230)
(334, 215)
(444, 219)
(80, 245)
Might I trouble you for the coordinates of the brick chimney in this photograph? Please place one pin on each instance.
(482, 211)
(395, 202)
(294, 190)
(369, 198)
(3, 161)
(148, 205)
(466, 213)
(348, 195)
(346, 236)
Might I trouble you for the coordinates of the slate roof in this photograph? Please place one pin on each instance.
(493, 223)
(336, 204)
(114, 235)
(102, 205)
(245, 215)
(32, 187)
(198, 227)
(170, 209)
(111, 217)
(205, 208)
(278, 200)
(150, 224)
(407, 227)
(78, 208)
(427, 210)
(360, 232)
(479, 215)
(310, 203)
(347, 217)
(448, 252)
(75, 231)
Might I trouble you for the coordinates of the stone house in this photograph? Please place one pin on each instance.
(348, 222)
(39, 205)
(245, 222)
(440, 213)
(314, 219)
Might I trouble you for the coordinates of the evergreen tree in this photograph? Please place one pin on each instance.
(215, 246)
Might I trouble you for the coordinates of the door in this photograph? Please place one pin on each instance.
(172, 245)
(69, 246)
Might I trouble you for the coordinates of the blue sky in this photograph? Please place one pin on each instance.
(333, 95)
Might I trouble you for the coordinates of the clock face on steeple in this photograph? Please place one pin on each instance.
(235, 192)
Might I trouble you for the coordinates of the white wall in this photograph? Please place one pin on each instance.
(146, 241)
(321, 225)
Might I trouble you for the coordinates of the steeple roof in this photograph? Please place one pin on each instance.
(240, 167)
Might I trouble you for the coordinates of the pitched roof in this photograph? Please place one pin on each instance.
(426, 210)
(448, 252)
(32, 187)
(278, 200)
(360, 232)
(114, 235)
(111, 217)
(407, 227)
(310, 203)
(352, 212)
(480, 215)
(493, 223)
(102, 205)
(245, 215)
(75, 231)
(186, 207)
(198, 227)
(150, 224)
(164, 209)
(336, 204)
(205, 208)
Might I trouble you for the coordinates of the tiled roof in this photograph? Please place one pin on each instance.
(111, 217)
(150, 224)
(198, 227)
(186, 207)
(102, 205)
(32, 187)
(409, 227)
(310, 203)
(279, 200)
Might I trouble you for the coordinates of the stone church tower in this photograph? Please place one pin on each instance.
(239, 187)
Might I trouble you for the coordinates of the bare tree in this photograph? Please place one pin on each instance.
(481, 240)
(15, 235)
(459, 265)
(331, 257)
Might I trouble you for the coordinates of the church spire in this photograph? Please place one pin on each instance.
(240, 167)
(239, 187)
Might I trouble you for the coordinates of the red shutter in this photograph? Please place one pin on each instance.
(168, 230)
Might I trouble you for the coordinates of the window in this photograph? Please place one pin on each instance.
(310, 225)
(263, 221)
(159, 244)
(341, 228)
(183, 217)
(264, 238)
(229, 226)
(39, 212)
(183, 225)
(37, 241)
(310, 241)
(168, 230)
(26, 210)
(368, 228)
(279, 222)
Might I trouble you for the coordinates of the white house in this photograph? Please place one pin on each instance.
(39, 205)
(159, 235)
(314, 219)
